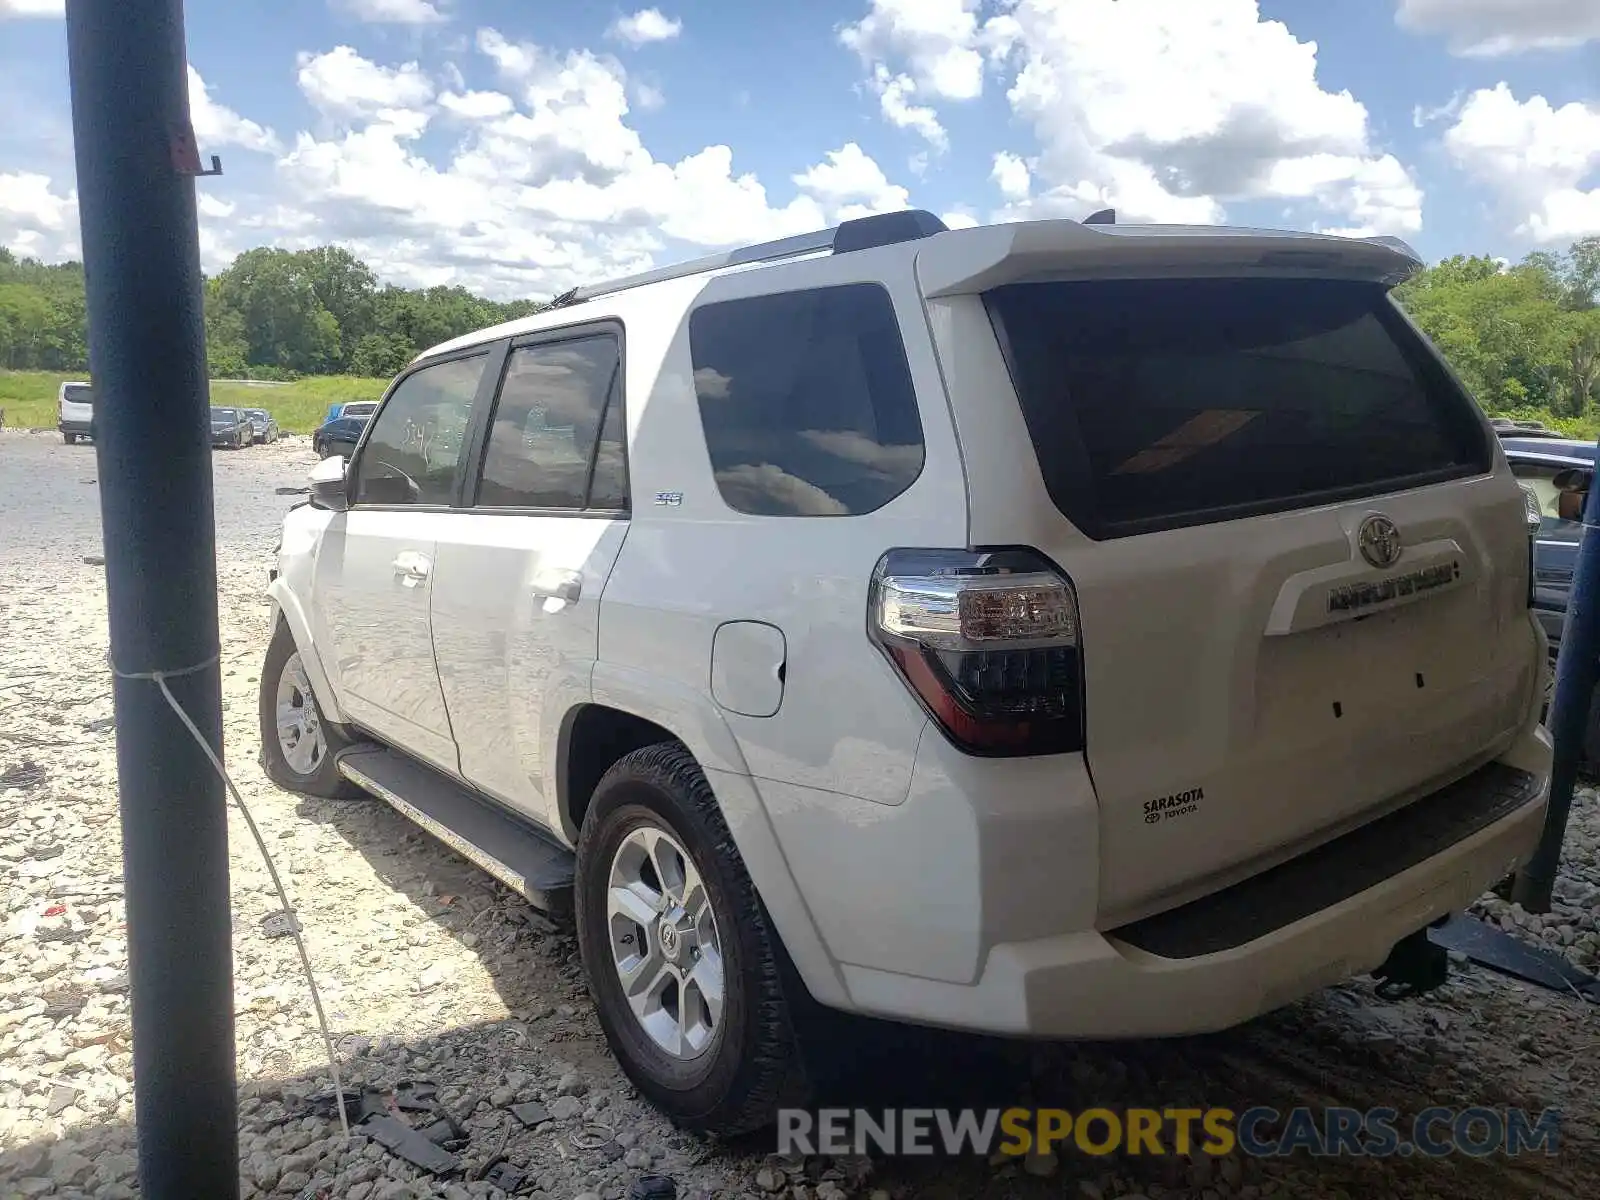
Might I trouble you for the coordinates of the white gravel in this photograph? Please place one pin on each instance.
(429, 969)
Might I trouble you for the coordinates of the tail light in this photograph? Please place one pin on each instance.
(987, 641)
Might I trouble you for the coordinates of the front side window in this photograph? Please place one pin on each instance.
(412, 453)
(807, 401)
(556, 439)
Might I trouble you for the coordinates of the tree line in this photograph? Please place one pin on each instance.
(271, 314)
(1524, 338)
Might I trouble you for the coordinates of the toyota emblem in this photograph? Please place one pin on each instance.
(1378, 539)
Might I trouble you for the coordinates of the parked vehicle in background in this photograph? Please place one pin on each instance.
(263, 428)
(75, 411)
(1048, 629)
(1537, 462)
(351, 408)
(339, 436)
(230, 428)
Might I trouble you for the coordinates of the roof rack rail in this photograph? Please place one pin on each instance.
(862, 233)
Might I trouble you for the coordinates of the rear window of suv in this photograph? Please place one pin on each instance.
(1161, 403)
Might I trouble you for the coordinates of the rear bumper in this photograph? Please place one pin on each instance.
(1333, 914)
(75, 426)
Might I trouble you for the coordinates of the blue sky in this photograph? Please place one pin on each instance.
(519, 148)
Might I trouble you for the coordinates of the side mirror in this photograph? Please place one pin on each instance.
(330, 485)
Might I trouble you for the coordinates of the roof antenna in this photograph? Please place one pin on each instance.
(1106, 216)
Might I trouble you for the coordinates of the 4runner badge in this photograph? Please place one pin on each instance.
(1167, 808)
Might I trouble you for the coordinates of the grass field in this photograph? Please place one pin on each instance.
(29, 398)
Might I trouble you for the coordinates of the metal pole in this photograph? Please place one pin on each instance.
(1577, 672)
(130, 117)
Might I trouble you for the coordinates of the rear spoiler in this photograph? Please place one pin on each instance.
(975, 260)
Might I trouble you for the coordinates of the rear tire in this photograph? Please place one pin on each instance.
(711, 1042)
(70, 439)
(298, 748)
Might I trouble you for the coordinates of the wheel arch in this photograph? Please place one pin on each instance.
(639, 701)
(286, 607)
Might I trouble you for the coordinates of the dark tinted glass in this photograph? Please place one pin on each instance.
(416, 440)
(807, 401)
(80, 395)
(553, 401)
(1156, 403)
(609, 487)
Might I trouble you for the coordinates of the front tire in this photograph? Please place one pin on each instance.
(687, 973)
(298, 747)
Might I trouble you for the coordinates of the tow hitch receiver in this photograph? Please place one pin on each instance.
(1414, 966)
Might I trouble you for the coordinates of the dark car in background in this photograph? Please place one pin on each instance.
(262, 426)
(339, 436)
(230, 428)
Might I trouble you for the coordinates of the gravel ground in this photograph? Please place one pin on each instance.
(429, 969)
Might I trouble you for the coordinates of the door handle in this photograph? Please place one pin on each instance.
(411, 564)
(558, 585)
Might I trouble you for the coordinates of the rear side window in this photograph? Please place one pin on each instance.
(1160, 403)
(807, 401)
(556, 439)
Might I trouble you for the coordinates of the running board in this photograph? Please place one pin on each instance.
(514, 852)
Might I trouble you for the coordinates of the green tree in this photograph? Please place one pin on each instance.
(382, 354)
(285, 324)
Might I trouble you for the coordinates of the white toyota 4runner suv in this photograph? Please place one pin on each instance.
(1051, 629)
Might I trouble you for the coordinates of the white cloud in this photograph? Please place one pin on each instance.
(530, 190)
(1165, 109)
(850, 184)
(646, 25)
(647, 97)
(393, 12)
(477, 106)
(1490, 28)
(941, 44)
(217, 125)
(209, 206)
(341, 83)
(32, 8)
(36, 222)
(1536, 157)
(895, 94)
(1012, 177)
(937, 39)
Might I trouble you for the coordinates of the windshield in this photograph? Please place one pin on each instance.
(224, 415)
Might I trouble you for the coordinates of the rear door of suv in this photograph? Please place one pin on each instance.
(517, 584)
(1302, 586)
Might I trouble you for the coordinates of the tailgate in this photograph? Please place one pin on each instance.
(1302, 582)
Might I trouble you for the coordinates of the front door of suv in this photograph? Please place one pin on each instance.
(374, 573)
(516, 587)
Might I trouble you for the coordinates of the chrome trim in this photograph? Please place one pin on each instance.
(469, 851)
